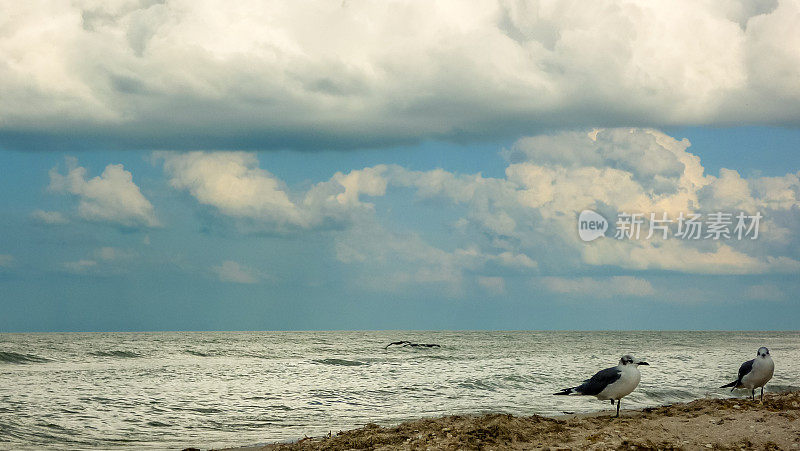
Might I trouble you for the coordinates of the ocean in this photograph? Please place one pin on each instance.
(170, 390)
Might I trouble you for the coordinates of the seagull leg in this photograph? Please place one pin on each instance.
(618, 403)
(753, 394)
(612, 402)
(762, 395)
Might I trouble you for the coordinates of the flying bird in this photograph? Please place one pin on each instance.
(405, 343)
(754, 373)
(611, 383)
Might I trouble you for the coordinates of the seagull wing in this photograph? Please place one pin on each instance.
(599, 381)
(745, 368)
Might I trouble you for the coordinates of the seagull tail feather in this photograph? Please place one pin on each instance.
(566, 391)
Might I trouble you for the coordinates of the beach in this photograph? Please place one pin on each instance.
(734, 423)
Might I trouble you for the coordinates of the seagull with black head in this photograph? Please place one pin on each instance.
(754, 373)
(611, 383)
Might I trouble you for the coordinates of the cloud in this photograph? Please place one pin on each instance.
(268, 75)
(234, 185)
(640, 154)
(512, 260)
(777, 193)
(230, 271)
(602, 288)
(551, 178)
(630, 169)
(49, 217)
(519, 224)
(6, 260)
(390, 261)
(111, 198)
(677, 256)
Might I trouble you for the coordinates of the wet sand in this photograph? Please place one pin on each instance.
(735, 423)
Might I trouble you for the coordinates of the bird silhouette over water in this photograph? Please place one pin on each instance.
(411, 344)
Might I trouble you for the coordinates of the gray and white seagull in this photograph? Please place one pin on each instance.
(611, 383)
(754, 373)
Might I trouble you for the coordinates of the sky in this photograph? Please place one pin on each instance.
(396, 165)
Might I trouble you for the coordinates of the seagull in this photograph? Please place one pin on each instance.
(754, 373)
(611, 383)
(413, 345)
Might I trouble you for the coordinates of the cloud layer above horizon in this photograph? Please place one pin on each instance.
(261, 75)
(521, 226)
(322, 162)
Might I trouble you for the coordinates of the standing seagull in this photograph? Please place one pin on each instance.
(611, 383)
(754, 373)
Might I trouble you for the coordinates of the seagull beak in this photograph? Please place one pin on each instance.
(644, 363)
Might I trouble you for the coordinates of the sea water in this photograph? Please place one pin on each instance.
(169, 390)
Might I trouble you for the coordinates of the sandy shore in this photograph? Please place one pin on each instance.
(702, 424)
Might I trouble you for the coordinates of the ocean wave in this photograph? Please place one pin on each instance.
(340, 362)
(438, 357)
(255, 355)
(13, 357)
(116, 353)
(477, 384)
(158, 424)
(198, 353)
(781, 388)
(519, 378)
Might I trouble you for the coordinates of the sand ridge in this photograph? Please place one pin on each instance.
(735, 423)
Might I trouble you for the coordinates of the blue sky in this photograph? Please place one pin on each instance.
(282, 179)
(163, 277)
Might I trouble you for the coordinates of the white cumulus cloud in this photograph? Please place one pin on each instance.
(522, 223)
(112, 197)
(235, 186)
(551, 178)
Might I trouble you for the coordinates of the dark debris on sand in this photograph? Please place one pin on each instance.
(495, 431)
(720, 424)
